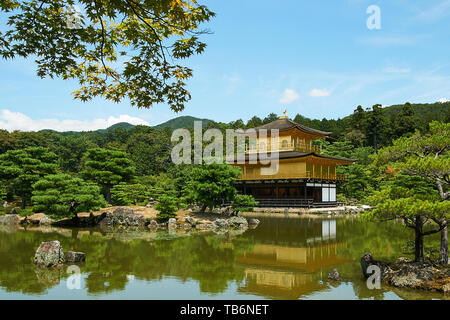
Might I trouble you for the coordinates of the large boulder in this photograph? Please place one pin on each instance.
(205, 225)
(190, 220)
(123, 216)
(9, 219)
(49, 254)
(238, 222)
(172, 224)
(45, 221)
(367, 260)
(73, 256)
(334, 275)
(221, 223)
(153, 224)
(253, 222)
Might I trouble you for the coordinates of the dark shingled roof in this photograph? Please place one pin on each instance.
(286, 124)
(291, 155)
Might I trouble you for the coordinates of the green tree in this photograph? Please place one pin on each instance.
(271, 117)
(243, 202)
(61, 195)
(70, 150)
(150, 151)
(210, 184)
(107, 168)
(403, 123)
(376, 123)
(119, 49)
(20, 169)
(167, 205)
(127, 194)
(7, 141)
(425, 156)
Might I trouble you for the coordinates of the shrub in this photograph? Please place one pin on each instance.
(243, 202)
(125, 194)
(167, 205)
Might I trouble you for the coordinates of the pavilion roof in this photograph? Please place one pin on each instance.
(285, 123)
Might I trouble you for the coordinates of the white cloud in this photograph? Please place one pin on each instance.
(289, 96)
(443, 100)
(437, 12)
(10, 121)
(387, 41)
(319, 93)
(393, 69)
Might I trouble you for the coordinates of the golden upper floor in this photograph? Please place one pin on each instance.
(291, 137)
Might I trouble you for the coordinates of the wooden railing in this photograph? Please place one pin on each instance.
(298, 175)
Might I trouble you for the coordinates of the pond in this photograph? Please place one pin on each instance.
(283, 258)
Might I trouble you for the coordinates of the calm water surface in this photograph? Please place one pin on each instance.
(283, 258)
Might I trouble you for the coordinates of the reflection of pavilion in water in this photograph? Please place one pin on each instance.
(291, 262)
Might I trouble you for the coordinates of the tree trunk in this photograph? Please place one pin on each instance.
(418, 252)
(108, 194)
(443, 253)
(24, 203)
(202, 210)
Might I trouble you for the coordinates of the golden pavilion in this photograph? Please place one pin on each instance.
(304, 177)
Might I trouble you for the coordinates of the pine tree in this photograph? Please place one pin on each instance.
(20, 169)
(61, 195)
(107, 168)
(421, 157)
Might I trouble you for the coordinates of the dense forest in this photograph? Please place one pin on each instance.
(139, 163)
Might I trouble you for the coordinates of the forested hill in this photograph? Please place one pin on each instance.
(422, 114)
(181, 122)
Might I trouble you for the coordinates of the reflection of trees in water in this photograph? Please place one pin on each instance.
(285, 258)
(208, 259)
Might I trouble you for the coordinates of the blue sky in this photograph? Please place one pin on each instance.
(316, 58)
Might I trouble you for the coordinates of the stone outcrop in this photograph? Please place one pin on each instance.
(405, 273)
(238, 222)
(49, 254)
(123, 216)
(73, 256)
(367, 260)
(253, 222)
(190, 220)
(172, 223)
(221, 223)
(45, 221)
(153, 224)
(9, 219)
(334, 275)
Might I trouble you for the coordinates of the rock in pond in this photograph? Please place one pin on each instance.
(153, 224)
(73, 256)
(190, 220)
(221, 223)
(334, 275)
(123, 216)
(172, 223)
(205, 226)
(367, 260)
(253, 222)
(9, 219)
(49, 254)
(238, 222)
(45, 221)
